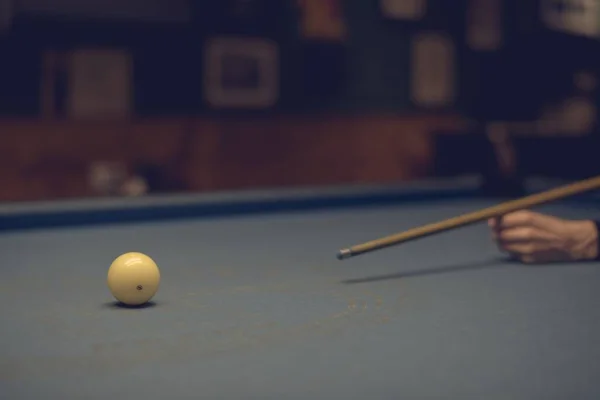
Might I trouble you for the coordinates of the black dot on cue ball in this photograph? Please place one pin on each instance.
(139, 287)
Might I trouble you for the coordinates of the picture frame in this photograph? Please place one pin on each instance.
(100, 84)
(484, 25)
(241, 72)
(6, 11)
(433, 70)
(407, 10)
(322, 20)
(574, 17)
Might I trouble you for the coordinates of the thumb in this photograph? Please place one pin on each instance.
(531, 219)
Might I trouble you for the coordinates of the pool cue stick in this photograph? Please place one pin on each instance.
(473, 217)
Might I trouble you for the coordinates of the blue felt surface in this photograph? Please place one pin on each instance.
(256, 307)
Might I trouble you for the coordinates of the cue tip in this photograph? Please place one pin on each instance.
(343, 254)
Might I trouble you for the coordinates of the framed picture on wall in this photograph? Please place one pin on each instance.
(433, 70)
(575, 17)
(241, 73)
(484, 25)
(5, 15)
(403, 9)
(322, 20)
(99, 83)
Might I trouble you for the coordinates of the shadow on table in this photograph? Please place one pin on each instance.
(486, 264)
(117, 305)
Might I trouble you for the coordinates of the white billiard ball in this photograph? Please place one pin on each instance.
(133, 278)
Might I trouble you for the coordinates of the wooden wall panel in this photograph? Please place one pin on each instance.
(42, 159)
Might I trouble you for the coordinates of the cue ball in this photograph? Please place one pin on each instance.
(133, 278)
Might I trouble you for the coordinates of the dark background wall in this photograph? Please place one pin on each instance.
(369, 70)
(345, 111)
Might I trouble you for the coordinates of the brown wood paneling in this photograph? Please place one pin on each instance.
(42, 159)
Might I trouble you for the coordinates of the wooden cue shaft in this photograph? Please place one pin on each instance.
(473, 217)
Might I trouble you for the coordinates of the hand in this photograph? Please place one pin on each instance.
(538, 238)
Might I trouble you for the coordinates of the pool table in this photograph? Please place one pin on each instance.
(253, 303)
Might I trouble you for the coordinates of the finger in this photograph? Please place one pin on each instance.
(519, 249)
(543, 257)
(528, 259)
(533, 219)
(515, 219)
(546, 223)
(493, 222)
(524, 234)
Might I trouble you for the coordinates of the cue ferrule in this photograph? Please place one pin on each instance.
(344, 253)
